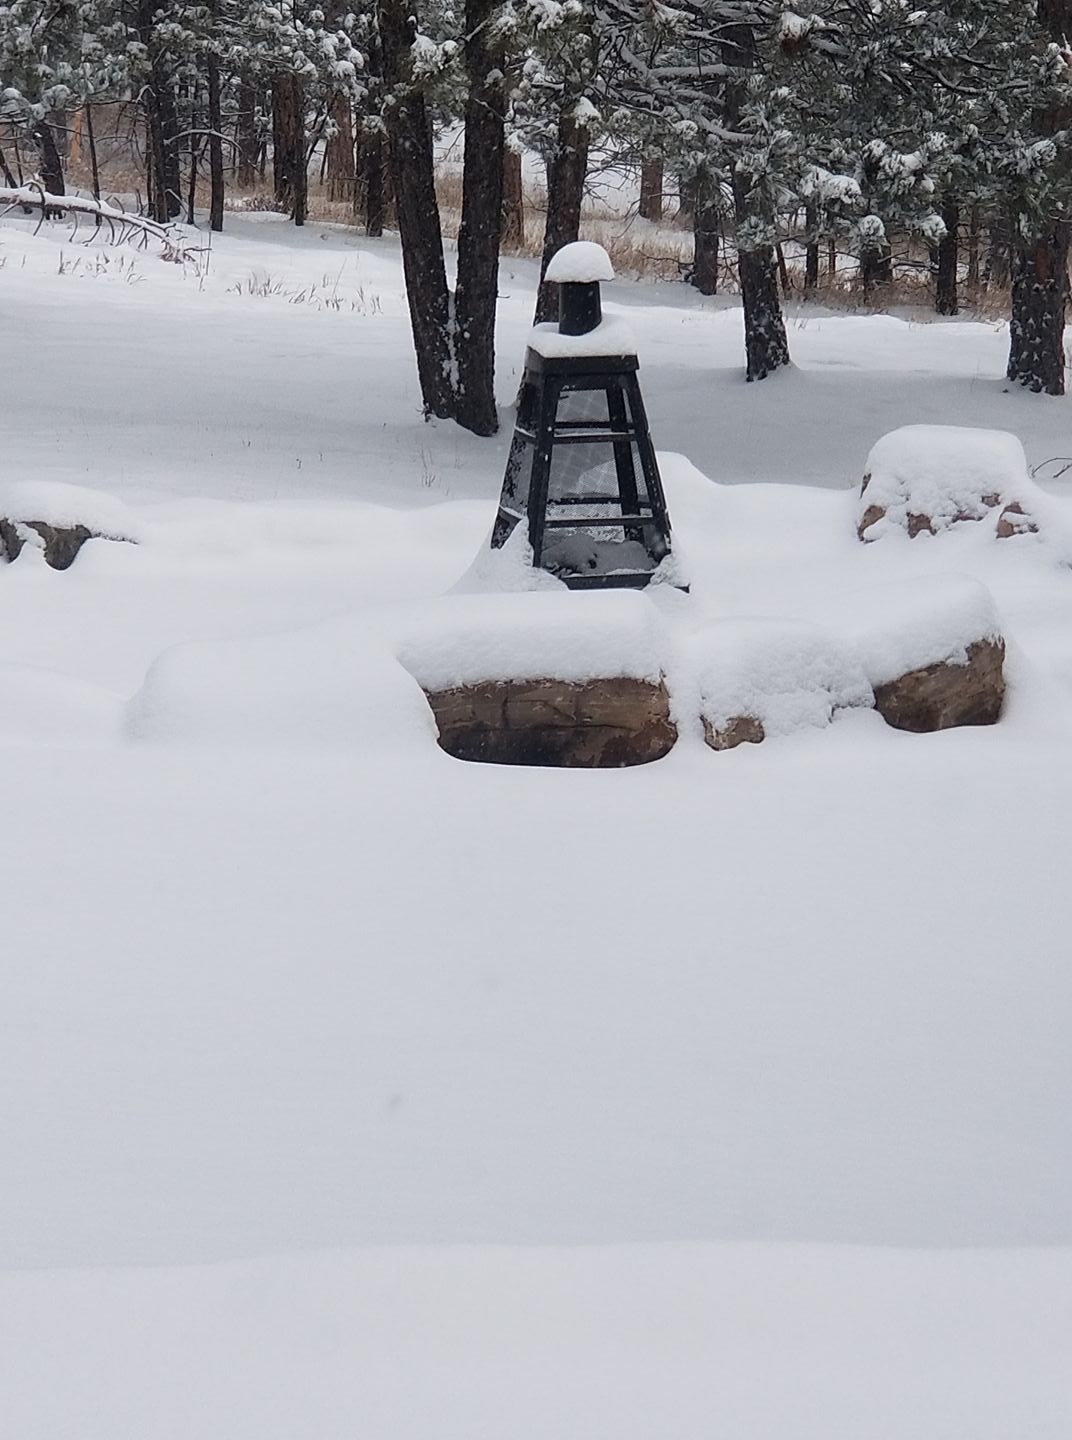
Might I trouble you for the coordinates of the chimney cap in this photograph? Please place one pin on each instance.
(582, 262)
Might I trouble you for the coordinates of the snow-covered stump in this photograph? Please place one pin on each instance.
(57, 520)
(924, 479)
(933, 653)
(761, 678)
(545, 679)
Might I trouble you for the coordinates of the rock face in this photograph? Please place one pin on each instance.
(741, 730)
(594, 724)
(947, 694)
(61, 543)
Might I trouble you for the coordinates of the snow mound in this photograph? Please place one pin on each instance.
(509, 568)
(928, 477)
(907, 625)
(611, 336)
(42, 707)
(787, 674)
(325, 686)
(63, 506)
(580, 263)
(549, 635)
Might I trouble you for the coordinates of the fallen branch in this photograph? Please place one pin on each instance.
(122, 224)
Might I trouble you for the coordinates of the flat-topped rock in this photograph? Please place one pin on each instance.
(594, 724)
(544, 677)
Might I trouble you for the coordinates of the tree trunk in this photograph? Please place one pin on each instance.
(1039, 299)
(876, 268)
(783, 271)
(161, 125)
(565, 193)
(246, 132)
(372, 183)
(947, 300)
(479, 237)
(91, 140)
(288, 146)
(410, 139)
(651, 191)
(765, 343)
(339, 152)
(706, 231)
(811, 250)
(513, 209)
(973, 252)
(766, 347)
(999, 251)
(686, 196)
(215, 145)
(51, 164)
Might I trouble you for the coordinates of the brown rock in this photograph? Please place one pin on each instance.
(871, 515)
(62, 542)
(1014, 520)
(919, 525)
(741, 730)
(939, 697)
(595, 724)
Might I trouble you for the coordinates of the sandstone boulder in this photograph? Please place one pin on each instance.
(591, 724)
(951, 692)
(741, 730)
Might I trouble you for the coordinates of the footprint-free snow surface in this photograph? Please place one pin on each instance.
(350, 1090)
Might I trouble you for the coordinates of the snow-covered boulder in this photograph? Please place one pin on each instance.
(931, 649)
(545, 678)
(761, 678)
(58, 519)
(923, 479)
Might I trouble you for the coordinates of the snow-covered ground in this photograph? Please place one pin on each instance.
(347, 1089)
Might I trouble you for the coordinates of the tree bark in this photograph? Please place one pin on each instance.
(999, 251)
(811, 251)
(973, 252)
(1040, 253)
(339, 152)
(288, 146)
(162, 125)
(651, 192)
(51, 163)
(246, 132)
(410, 140)
(513, 208)
(565, 193)
(947, 299)
(215, 145)
(706, 231)
(372, 183)
(1039, 301)
(480, 234)
(765, 342)
(876, 268)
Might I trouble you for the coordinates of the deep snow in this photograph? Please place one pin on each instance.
(280, 976)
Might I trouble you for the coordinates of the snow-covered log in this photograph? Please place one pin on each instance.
(121, 223)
